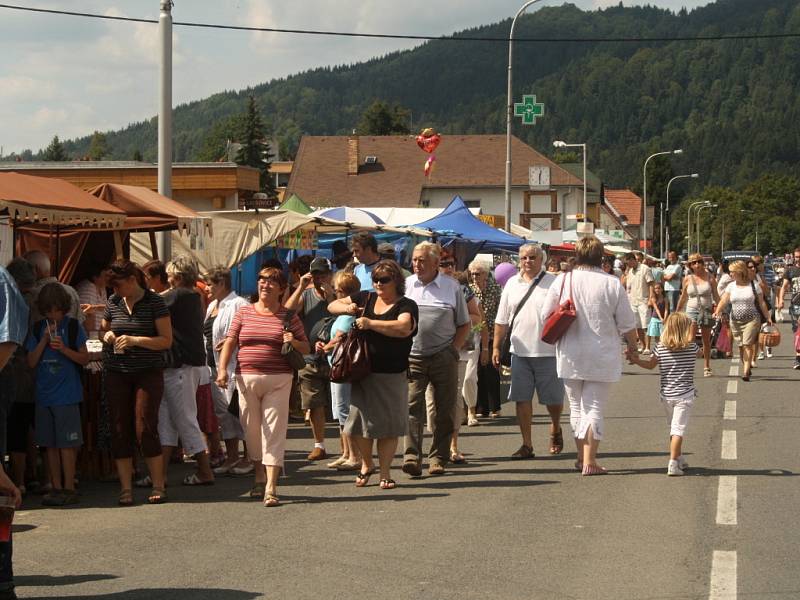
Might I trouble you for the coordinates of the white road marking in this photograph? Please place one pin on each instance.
(723, 576)
(726, 500)
(734, 372)
(730, 410)
(733, 386)
(735, 360)
(729, 445)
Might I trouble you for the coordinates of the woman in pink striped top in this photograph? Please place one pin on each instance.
(264, 378)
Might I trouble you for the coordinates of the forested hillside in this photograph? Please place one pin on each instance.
(732, 105)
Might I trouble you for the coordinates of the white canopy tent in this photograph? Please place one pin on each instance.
(239, 234)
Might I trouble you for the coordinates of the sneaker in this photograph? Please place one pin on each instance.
(436, 469)
(646, 352)
(796, 364)
(412, 468)
(760, 356)
(769, 352)
(674, 470)
(682, 462)
(243, 467)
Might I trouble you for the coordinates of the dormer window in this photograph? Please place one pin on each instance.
(371, 160)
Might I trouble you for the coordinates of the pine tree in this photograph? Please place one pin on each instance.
(382, 119)
(98, 147)
(137, 156)
(255, 150)
(55, 151)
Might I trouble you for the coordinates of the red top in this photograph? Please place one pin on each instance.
(260, 338)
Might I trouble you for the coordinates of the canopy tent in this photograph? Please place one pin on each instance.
(239, 234)
(43, 203)
(398, 216)
(295, 204)
(354, 216)
(457, 223)
(145, 210)
(150, 211)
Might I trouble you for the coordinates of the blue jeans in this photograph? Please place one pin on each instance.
(672, 297)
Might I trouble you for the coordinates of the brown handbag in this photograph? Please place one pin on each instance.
(561, 318)
(350, 358)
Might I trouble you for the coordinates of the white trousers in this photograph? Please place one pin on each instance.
(229, 425)
(678, 409)
(587, 404)
(177, 415)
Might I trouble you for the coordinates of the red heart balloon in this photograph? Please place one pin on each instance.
(428, 142)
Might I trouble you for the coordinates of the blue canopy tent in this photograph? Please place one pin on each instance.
(457, 225)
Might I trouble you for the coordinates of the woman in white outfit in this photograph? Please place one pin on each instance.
(588, 355)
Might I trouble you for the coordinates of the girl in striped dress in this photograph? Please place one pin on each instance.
(675, 355)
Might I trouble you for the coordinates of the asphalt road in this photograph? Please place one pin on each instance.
(492, 528)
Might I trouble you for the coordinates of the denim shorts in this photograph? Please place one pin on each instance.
(535, 374)
(701, 317)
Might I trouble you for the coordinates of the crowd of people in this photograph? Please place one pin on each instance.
(184, 366)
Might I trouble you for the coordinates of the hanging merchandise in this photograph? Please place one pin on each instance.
(428, 140)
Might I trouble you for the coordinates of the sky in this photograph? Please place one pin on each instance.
(69, 76)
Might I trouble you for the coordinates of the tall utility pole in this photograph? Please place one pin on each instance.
(510, 112)
(165, 118)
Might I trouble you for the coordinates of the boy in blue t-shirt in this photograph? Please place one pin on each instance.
(57, 350)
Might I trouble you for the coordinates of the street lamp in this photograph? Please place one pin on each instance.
(707, 205)
(509, 112)
(644, 200)
(560, 144)
(665, 230)
(689, 222)
(745, 210)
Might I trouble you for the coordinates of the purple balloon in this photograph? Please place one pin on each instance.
(503, 272)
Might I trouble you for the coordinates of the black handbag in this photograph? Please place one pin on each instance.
(505, 349)
(292, 356)
(764, 318)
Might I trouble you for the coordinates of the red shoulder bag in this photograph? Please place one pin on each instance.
(561, 318)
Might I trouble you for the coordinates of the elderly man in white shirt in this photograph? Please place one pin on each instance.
(588, 355)
(224, 305)
(444, 324)
(533, 362)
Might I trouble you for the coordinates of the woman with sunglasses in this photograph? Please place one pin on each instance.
(379, 402)
(136, 330)
(698, 296)
(747, 305)
(264, 378)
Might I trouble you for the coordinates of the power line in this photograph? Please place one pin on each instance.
(446, 38)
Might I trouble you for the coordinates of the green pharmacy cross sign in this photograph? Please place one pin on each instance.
(528, 109)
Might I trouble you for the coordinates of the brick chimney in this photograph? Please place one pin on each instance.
(352, 155)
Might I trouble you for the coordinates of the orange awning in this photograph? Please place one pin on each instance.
(147, 210)
(44, 202)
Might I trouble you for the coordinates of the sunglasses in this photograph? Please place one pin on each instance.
(696, 262)
(268, 279)
(751, 266)
(447, 264)
(382, 280)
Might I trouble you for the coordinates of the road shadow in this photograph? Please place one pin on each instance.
(384, 496)
(165, 594)
(22, 528)
(59, 580)
(707, 472)
(443, 484)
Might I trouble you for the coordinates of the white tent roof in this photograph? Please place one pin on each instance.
(240, 233)
(409, 216)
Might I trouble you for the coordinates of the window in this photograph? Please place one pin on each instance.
(472, 203)
(371, 160)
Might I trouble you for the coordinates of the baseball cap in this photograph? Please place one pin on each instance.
(320, 265)
(386, 248)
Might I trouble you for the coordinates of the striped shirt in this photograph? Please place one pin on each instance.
(140, 322)
(260, 338)
(677, 369)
